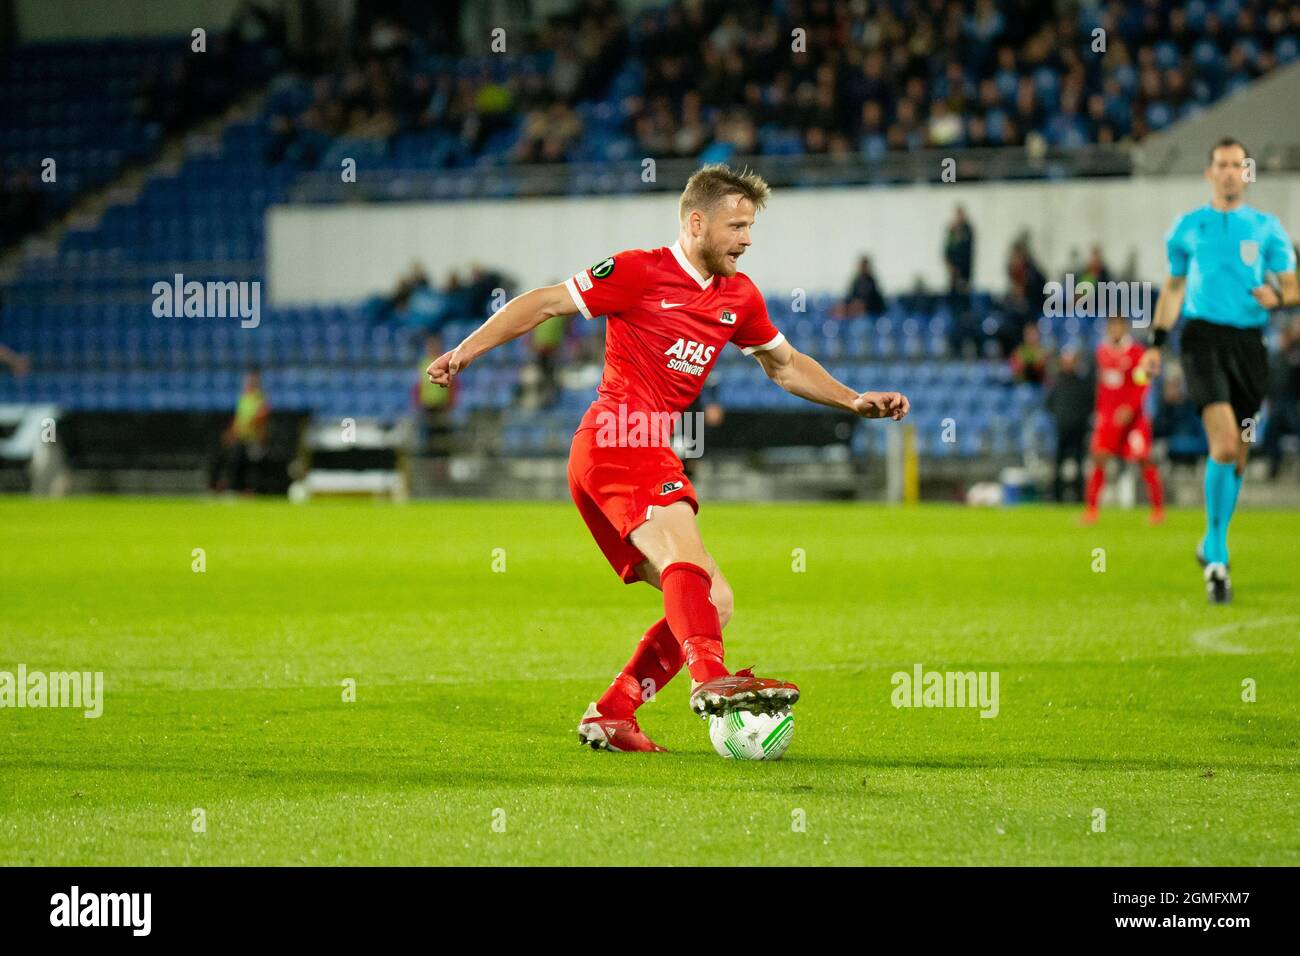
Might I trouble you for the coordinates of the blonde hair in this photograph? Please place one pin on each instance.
(710, 184)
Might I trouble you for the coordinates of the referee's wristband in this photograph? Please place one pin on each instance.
(1159, 337)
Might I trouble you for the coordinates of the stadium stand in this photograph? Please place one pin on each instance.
(865, 85)
(96, 106)
(95, 345)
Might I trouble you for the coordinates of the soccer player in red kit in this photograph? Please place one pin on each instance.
(670, 313)
(1122, 429)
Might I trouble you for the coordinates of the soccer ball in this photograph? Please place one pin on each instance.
(744, 735)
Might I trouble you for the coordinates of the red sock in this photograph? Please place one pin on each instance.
(1095, 482)
(693, 618)
(657, 659)
(1155, 489)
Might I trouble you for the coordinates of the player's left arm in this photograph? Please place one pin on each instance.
(1279, 259)
(804, 376)
(1287, 292)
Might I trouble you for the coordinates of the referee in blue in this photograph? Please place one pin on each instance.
(1229, 265)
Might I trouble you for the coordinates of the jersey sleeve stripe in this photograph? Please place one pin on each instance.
(577, 297)
(766, 346)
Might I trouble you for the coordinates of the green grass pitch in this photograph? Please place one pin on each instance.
(1120, 690)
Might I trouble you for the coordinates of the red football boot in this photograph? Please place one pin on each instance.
(620, 734)
(743, 691)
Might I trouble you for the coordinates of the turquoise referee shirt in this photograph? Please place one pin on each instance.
(1224, 255)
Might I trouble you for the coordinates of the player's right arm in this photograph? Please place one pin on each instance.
(609, 286)
(520, 315)
(1168, 307)
(1170, 304)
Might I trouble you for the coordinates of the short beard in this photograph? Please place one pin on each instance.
(716, 261)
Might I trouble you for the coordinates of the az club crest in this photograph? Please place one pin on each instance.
(727, 317)
(669, 487)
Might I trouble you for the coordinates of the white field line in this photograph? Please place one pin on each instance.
(1211, 638)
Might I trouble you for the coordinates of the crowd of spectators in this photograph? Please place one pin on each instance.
(1007, 328)
(937, 73)
(382, 93)
(1067, 374)
(203, 83)
(415, 302)
(814, 77)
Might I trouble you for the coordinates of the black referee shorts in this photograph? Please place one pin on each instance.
(1224, 363)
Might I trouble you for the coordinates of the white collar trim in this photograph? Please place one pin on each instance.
(689, 269)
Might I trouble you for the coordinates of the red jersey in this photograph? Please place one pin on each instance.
(1116, 388)
(666, 326)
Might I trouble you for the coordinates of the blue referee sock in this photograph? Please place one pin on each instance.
(1221, 486)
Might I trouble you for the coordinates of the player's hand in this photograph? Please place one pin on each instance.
(1266, 296)
(447, 365)
(1150, 364)
(882, 405)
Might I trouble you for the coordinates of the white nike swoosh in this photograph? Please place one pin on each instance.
(665, 304)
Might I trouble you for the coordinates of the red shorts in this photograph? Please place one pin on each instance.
(1131, 441)
(617, 487)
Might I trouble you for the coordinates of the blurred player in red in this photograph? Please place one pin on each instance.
(1122, 429)
(670, 313)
